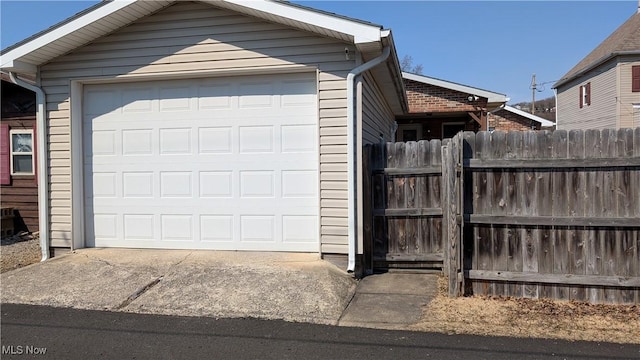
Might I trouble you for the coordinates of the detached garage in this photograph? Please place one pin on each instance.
(227, 125)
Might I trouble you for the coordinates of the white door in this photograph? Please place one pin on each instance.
(225, 163)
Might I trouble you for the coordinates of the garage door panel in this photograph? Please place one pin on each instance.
(299, 229)
(203, 164)
(215, 140)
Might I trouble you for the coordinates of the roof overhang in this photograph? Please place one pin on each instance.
(108, 16)
(388, 74)
(494, 99)
(543, 122)
(594, 65)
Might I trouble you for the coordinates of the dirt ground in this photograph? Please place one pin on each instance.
(18, 251)
(541, 318)
(466, 315)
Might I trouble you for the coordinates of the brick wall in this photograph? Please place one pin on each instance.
(425, 98)
(505, 120)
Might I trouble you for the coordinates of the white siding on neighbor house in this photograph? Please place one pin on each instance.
(602, 111)
(627, 98)
(191, 37)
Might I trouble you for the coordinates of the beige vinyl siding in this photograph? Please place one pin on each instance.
(627, 98)
(377, 117)
(333, 165)
(602, 111)
(193, 37)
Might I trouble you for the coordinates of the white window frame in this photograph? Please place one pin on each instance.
(636, 115)
(12, 153)
(585, 95)
(415, 127)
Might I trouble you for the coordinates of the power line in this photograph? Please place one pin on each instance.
(534, 86)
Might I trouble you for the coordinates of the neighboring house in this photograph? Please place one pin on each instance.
(440, 109)
(509, 118)
(18, 183)
(603, 89)
(209, 124)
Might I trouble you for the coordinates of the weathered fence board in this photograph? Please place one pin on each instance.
(407, 224)
(552, 209)
(528, 214)
(593, 201)
(451, 227)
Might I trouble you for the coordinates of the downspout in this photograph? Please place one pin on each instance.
(555, 95)
(352, 150)
(43, 176)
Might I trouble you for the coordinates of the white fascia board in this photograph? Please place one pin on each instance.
(64, 30)
(18, 67)
(491, 96)
(543, 122)
(362, 33)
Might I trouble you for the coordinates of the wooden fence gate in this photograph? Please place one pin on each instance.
(407, 202)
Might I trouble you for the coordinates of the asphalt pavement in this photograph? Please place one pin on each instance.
(41, 332)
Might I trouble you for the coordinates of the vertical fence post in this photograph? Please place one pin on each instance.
(451, 209)
(460, 186)
(444, 201)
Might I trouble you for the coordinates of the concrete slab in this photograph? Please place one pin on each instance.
(83, 280)
(399, 283)
(295, 287)
(390, 300)
(384, 308)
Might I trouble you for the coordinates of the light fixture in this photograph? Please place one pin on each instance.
(471, 98)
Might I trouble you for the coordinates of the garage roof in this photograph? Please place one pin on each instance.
(108, 16)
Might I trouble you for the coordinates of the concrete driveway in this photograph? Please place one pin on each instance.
(289, 286)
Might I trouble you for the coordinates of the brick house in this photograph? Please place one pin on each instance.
(511, 119)
(439, 109)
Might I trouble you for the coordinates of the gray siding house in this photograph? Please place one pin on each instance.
(227, 125)
(603, 89)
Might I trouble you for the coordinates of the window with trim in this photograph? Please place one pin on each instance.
(21, 152)
(635, 78)
(585, 95)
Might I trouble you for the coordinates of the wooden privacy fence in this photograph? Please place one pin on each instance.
(407, 204)
(527, 214)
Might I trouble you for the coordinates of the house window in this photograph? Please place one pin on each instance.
(21, 152)
(635, 78)
(409, 132)
(585, 95)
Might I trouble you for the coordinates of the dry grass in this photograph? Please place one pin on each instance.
(530, 318)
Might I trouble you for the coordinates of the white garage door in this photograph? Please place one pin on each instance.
(225, 163)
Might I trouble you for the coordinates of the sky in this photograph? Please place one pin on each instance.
(493, 45)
